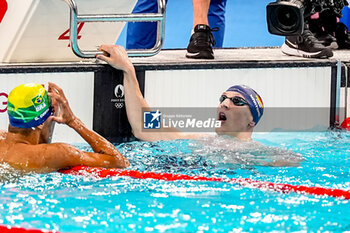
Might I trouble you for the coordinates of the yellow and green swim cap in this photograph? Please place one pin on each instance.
(28, 105)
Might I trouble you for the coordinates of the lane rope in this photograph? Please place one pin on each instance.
(244, 182)
(8, 229)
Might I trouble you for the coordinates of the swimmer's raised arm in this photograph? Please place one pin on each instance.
(134, 102)
(99, 144)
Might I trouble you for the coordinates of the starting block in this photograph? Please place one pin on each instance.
(50, 30)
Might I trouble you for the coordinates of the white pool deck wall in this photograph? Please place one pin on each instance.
(96, 96)
(282, 89)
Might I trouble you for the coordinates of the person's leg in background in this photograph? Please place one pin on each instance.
(200, 12)
(142, 35)
(205, 12)
(202, 40)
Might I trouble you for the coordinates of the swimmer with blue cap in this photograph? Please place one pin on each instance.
(239, 110)
(32, 111)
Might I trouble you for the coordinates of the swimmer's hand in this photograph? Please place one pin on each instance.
(63, 113)
(105, 154)
(116, 56)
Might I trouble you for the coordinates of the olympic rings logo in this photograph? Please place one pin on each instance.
(3, 103)
(119, 105)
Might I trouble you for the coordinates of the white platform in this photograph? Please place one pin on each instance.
(263, 54)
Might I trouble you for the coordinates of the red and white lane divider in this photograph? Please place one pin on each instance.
(7, 229)
(245, 182)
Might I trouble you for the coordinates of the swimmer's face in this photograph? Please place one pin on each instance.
(234, 118)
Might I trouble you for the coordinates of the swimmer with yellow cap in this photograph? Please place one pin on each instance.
(31, 114)
(28, 106)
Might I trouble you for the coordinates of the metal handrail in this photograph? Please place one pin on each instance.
(75, 18)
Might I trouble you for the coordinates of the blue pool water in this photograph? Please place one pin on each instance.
(69, 203)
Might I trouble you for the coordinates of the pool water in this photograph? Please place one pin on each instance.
(68, 203)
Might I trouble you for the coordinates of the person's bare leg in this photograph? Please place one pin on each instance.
(200, 12)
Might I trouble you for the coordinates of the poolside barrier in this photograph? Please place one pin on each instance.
(244, 182)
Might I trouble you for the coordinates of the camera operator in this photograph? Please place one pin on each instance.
(310, 26)
(327, 28)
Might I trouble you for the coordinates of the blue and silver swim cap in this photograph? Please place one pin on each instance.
(253, 99)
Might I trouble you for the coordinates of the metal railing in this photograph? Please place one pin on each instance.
(75, 18)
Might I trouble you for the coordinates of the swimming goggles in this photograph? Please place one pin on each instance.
(238, 101)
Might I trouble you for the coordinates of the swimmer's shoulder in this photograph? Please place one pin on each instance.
(57, 148)
(41, 157)
(3, 134)
(3, 144)
(42, 151)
